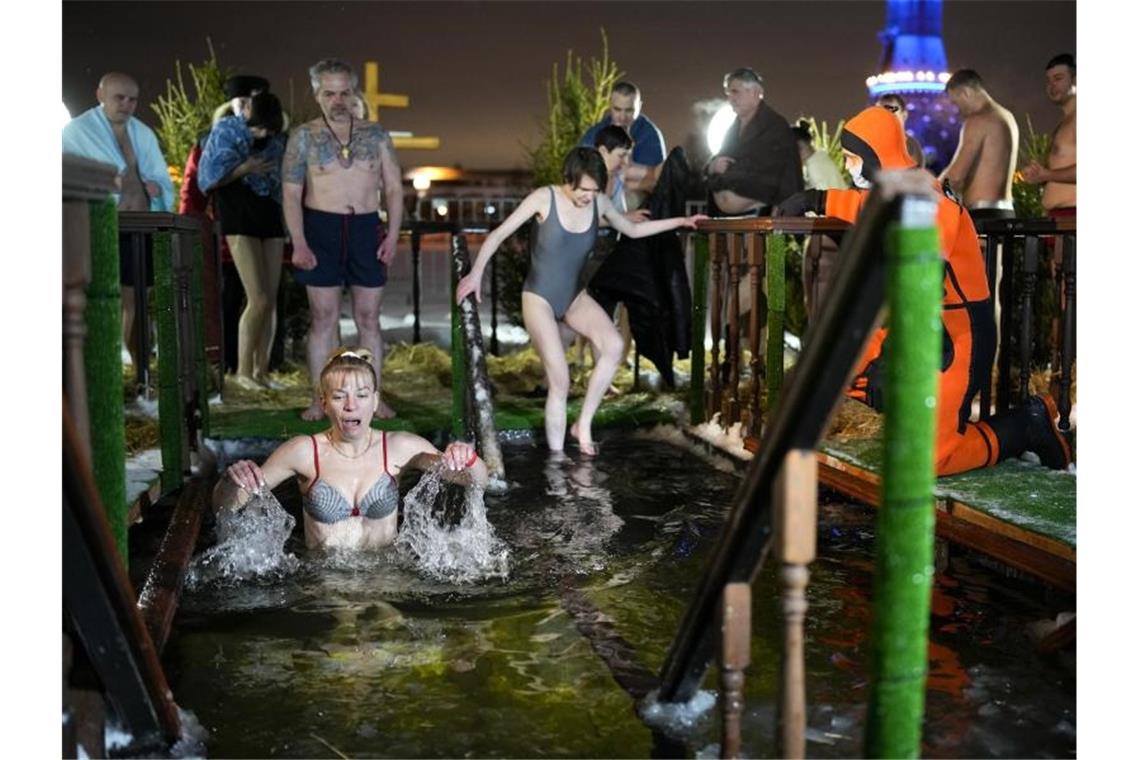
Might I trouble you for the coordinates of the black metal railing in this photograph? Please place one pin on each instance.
(1014, 251)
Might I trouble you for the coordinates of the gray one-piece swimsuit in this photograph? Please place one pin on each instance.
(558, 258)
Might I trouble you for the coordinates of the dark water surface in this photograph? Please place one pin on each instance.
(361, 654)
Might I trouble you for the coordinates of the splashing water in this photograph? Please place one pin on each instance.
(466, 552)
(251, 544)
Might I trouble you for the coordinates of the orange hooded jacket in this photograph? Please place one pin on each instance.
(876, 136)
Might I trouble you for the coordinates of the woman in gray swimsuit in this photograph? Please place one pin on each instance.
(348, 472)
(569, 215)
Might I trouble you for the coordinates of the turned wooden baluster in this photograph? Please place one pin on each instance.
(735, 656)
(755, 245)
(716, 257)
(794, 502)
(1028, 290)
(76, 277)
(731, 411)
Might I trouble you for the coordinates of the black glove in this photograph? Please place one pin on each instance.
(801, 203)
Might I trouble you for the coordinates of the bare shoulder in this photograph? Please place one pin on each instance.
(402, 446)
(539, 200)
(297, 448)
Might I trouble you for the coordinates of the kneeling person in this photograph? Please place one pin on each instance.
(873, 141)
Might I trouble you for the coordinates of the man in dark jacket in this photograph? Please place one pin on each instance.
(758, 165)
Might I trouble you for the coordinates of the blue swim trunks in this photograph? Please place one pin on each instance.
(345, 246)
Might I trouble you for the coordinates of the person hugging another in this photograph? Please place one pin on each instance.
(347, 473)
(241, 169)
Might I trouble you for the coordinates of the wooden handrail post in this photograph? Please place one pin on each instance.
(198, 319)
(700, 243)
(794, 501)
(735, 656)
(170, 425)
(755, 248)
(102, 359)
(731, 410)
(716, 253)
(775, 277)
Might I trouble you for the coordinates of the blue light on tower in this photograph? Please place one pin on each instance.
(913, 65)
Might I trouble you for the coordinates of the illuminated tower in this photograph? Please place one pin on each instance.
(914, 66)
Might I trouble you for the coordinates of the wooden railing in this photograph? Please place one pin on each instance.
(740, 260)
(183, 408)
(748, 255)
(99, 605)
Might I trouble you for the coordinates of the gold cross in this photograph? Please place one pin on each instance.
(376, 99)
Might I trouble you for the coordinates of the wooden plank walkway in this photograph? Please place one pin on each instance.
(1021, 514)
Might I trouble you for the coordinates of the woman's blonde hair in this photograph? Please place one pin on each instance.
(347, 361)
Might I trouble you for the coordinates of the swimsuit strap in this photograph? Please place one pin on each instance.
(385, 434)
(316, 459)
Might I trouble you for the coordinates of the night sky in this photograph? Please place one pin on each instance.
(475, 71)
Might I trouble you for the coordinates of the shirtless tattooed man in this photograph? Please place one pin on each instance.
(335, 169)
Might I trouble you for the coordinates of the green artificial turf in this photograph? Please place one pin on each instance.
(1031, 497)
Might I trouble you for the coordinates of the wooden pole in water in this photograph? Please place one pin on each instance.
(905, 531)
(475, 371)
(735, 656)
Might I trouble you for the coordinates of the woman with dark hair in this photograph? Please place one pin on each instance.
(568, 218)
(241, 167)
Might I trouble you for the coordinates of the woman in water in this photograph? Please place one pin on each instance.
(348, 473)
(568, 216)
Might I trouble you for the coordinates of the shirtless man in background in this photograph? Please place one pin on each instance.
(334, 170)
(1060, 177)
(981, 172)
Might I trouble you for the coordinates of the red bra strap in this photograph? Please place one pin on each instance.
(316, 459)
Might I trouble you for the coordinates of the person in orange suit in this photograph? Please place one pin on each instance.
(873, 142)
